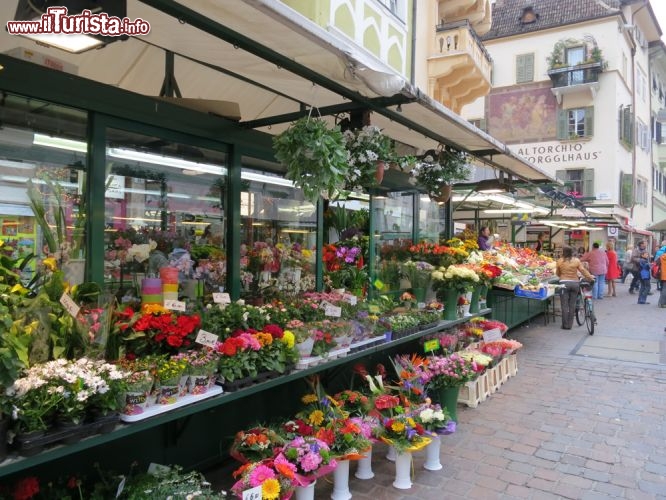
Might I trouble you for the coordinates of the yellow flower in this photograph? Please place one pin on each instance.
(306, 253)
(316, 417)
(411, 422)
(153, 309)
(288, 338)
(397, 426)
(309, 398)
(18, 288)
(50, 263)
(270, 489)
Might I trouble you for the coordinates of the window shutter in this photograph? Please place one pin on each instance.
(620, 123)
(562, 124)
(588, 182)
(520, 69)
(561, 175)
(626, 188)
(628, 125)
(589, 121)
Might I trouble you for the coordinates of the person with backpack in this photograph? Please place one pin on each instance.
(645, 276)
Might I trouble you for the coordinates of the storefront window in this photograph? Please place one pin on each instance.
(278, 235)
(165, 208)
(42, 181)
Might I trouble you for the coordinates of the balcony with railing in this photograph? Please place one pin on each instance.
(578, 78)
(459, 67)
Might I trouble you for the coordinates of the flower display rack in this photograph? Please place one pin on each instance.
(366, 344)
(309, 361)
(28, 445)
(157, 409)
(244, 382)
(477, 391)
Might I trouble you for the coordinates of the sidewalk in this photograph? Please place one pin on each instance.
(584, 418)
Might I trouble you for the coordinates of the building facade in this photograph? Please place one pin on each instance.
(571, 93)
(658, 96)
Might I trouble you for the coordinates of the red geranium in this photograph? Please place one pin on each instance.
(386, 401)
(275, 331)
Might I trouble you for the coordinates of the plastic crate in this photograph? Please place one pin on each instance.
(528, 294)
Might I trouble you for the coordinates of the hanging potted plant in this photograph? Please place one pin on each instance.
(438, 169)
(370, 151)
(315, 157)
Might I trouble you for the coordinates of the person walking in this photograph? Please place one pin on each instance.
(661, 256)
(567, 270)
(626, 263)
(598, 263)
(644, 266)
(635, 266)
(613, 269)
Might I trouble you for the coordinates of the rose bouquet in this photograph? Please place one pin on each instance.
(310, 457)
(276, 477)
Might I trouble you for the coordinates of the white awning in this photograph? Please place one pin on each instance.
(210, 68)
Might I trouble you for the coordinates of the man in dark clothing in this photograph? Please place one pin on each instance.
(635, 266)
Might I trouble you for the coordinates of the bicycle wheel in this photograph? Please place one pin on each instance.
(589, 316)
(580, 313)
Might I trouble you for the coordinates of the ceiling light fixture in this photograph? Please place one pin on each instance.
(488, 186)
(32, 10)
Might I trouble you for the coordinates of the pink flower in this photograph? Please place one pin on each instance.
(260, 474)
(310, 461)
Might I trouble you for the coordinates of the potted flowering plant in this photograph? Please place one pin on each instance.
(33, 402)
(438, 170)
(369, 149)
(315, 157)
(323, 341)
(168, 373)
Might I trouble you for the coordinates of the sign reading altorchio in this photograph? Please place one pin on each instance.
(57, 21)
(557, 153)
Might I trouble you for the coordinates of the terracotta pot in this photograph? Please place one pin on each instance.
(379, 173)
(444, 194)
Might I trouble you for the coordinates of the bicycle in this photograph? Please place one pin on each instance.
(585, 307)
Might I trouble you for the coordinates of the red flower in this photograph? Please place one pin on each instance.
(386, 401)
(275, 331)
(26, 488)
(326, 435)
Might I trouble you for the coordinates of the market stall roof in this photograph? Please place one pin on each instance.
(659, 226)
(274, 63)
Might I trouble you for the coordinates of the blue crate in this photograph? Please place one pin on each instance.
(528, 294)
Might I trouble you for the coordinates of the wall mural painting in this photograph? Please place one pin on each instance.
(523, 115)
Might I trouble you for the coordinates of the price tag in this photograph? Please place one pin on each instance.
(69, 304)
(174, 305)
(206, 338)
(221, 298)
(332, 310)
(350, 298)
(253, 493)
(430, 345)
(490, 335)
(154, 468)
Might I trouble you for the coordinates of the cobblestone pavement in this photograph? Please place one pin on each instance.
(566, 426)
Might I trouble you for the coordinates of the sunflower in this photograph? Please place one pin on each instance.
(316, 417)
(309, 398)
(270, 489)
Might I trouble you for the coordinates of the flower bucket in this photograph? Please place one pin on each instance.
(364, 469)
(403, 468)
(450, 304)
(341, 481)
(305, 492)
(390, 454)
(169, 275)
(474, 301)
(432, 454)
(448, 398)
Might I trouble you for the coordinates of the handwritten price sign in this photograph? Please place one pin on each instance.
(174, 305)
(70, 306)
(206, 338)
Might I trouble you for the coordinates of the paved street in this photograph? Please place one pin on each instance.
(584, 418)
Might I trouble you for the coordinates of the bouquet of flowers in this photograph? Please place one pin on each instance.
(455, 277)
(447, 371)
(418, 273)
(310, 457)
(479, 360)
(355, 403)
(403, 432)
(275, 476)
(435, 419)
(255, 444)
(323, 342)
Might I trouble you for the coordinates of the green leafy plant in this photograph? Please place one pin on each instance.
(439, 168)
(314, 155)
